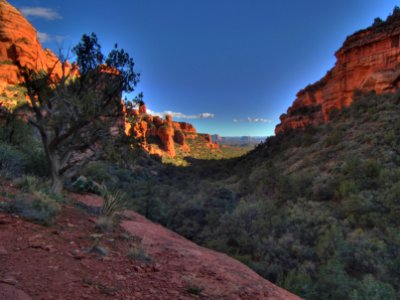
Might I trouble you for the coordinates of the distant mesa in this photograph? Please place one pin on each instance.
(238, 140)
(367, 61)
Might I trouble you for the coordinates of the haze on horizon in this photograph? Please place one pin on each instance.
(228, 67)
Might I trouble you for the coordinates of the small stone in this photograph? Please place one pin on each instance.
(77, 254)
(99, 250)
(120, 277)
(36, 245)
(9, 280)
(4, 221)
(3, 251)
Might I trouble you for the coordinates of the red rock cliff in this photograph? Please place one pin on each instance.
(19, 45)
(369, 60)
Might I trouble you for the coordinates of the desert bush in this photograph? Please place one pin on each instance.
(113, 202)
(13, 162)
(28, 184)
(97, 170)
(37, 207)
(300, 283)
(371, 289)
(86, 185)
(18, 140)
(333, 281)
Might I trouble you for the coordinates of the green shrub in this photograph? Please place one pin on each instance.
(372, 289)
(13, 162)
(37, 207)
(300, 283)
(27, 184)
(6, 62)
(86, 185)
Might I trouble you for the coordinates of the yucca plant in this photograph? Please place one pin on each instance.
(114, 201)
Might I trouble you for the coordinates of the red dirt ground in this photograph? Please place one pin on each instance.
(38, 262)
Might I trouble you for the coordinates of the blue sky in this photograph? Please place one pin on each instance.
(230, 67)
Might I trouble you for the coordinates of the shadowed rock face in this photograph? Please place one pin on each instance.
(368, 61)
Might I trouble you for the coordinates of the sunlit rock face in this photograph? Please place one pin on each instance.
(20, 47)
(367, 61)
(168, 134)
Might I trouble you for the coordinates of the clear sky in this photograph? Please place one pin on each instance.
(230, 67)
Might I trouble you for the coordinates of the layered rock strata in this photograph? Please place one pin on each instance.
(369, 60)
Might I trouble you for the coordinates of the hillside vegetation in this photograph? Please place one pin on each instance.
(315, 210)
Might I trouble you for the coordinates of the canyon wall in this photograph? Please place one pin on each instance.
(367, 61)
(20, 47)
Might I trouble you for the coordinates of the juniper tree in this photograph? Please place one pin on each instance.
(73, 114)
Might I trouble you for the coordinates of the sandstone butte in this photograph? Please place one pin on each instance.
(369, 60)
(149, 129)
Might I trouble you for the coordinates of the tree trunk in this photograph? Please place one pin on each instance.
(56, 178)
(56, 184)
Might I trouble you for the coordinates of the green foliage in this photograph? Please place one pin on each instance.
(88, 53)
(21, 152)
(333, 281)
(314, 210)
(74, 113)
(86, 185)
(6, 62)
(300, 283)
(113, 202)
(13, 162)
(377, 22)
(27, 184)
(372, 289)
(37, 207)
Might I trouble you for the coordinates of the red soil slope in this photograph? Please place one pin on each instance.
(53, 262)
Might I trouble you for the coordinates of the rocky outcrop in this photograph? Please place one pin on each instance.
(20, 46)
(369, 60)
(169, 135)
(145, 127)
(209, 141)
(180, 138)
(166, 135)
